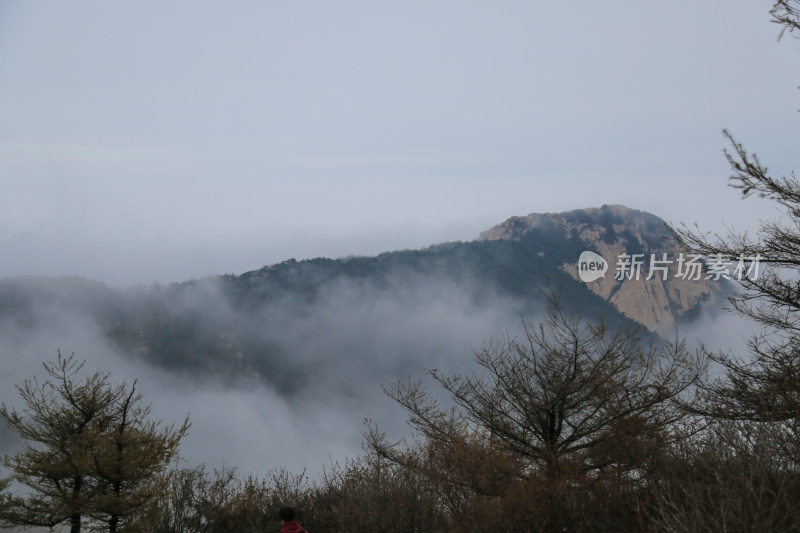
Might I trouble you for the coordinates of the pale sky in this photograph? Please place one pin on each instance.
(161, 141)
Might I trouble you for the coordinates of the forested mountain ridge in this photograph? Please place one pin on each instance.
(293, 318)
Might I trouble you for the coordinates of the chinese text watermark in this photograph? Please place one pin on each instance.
(592, 266)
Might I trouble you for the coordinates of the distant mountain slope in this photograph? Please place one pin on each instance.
(617, 233)
(481, 268)
(380, 317)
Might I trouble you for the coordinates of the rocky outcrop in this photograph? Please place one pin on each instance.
(650, 276)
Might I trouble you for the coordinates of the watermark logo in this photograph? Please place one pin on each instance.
(694, 267)
(591, 266)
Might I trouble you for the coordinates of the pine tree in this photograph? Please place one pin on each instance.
(127, 458)
(91, 452)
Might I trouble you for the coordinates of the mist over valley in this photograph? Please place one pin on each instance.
(280, 366)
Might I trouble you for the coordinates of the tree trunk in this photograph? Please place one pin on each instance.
(75, 523)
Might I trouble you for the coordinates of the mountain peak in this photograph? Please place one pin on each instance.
(604, 217)
(619, 233)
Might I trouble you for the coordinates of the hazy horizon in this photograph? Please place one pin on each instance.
(173, 141)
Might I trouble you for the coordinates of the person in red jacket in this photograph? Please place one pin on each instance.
(288, 523)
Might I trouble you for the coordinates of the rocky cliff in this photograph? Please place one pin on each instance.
(651, 277)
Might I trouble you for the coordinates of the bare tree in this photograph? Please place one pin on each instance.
(4, 497)
(732, 477)
(765, 384)
(570, 406)
(787, 14)
(741, 474)
(569, 389)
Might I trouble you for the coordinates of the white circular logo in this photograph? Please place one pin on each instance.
(591, 266)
